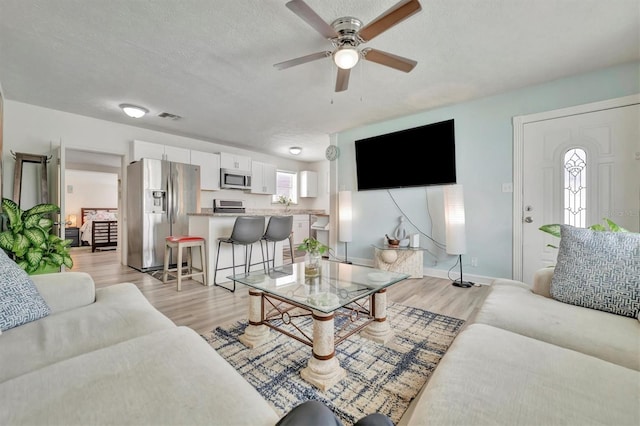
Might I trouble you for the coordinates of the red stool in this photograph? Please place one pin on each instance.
(182, 242)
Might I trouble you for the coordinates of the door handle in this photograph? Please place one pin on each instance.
(175, 183)
(528, 219)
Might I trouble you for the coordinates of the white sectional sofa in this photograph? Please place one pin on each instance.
(107, 356)
(528, 359)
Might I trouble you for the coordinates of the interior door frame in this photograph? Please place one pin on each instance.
(518, 161)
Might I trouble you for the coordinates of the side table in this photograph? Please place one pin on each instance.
(73, 234)
(406, 260)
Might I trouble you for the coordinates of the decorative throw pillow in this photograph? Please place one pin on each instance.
(598, 270)
(20, 301)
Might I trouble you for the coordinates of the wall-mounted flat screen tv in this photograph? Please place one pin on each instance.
(419, 156)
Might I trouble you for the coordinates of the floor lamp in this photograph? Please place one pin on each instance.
(455, 227)
(344, 218)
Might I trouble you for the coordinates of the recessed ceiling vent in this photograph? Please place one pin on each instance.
(169, 115)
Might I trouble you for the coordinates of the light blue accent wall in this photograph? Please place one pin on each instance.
(484, 148)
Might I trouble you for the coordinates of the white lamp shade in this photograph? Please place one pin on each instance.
(344, 216)
(454, 219)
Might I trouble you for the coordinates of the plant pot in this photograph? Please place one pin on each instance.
(312, 264)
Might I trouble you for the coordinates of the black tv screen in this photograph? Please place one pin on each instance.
(420, 156)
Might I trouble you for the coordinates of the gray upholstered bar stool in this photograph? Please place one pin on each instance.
(278, 229)
(247, 230)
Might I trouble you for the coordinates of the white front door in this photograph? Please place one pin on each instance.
(577, 169)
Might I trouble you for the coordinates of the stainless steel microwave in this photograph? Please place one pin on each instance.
(235, 179)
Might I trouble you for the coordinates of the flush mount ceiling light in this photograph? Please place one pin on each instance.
(134, 111)
(295, 150)
(346, 57)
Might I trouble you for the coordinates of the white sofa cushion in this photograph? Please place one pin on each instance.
(120, 312)
(66, 290)
(512, 305)
(491, 376)
(171, 377)
(598, 270)
(20, 301)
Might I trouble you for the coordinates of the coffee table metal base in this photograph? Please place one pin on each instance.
(323, 369)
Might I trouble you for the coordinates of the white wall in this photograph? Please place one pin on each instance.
(89, 189)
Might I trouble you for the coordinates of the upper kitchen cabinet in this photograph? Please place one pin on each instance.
(308, 183)
(156, 151)
(209, 169)
(263, 178)
(233, 161)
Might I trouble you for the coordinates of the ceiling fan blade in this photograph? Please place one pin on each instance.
(308, 15)
(398, 13)
(342, 81)
(389, 59)
(302, 60)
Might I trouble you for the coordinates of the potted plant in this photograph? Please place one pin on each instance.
(554, 229)
(28, 239)
(314, 249)
(285, 201)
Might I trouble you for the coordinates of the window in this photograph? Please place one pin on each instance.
(575, 187)
(286, 185)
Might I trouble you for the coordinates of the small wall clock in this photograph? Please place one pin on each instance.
(332, 152)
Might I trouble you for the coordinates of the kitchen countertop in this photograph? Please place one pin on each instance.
(258, 212)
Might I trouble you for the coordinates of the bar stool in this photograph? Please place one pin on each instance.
(247, 230)
(184, 242)
(279, 229)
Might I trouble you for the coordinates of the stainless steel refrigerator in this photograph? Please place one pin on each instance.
(160, 194)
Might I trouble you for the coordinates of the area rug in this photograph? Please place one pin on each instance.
(380, 378)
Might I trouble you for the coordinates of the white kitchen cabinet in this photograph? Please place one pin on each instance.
(209, 169)
(263, 178)
(156, 151)
(300, 228)
(234, 161)
(178, 155)
(308, 183)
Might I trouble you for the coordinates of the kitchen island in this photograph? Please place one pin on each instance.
(211, 226)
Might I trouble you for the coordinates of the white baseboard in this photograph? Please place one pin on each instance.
(437, 273)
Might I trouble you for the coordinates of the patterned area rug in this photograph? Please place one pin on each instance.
(380, 378)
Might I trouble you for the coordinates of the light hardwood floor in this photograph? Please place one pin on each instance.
(204, 308)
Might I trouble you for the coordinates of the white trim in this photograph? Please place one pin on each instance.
(518, 146)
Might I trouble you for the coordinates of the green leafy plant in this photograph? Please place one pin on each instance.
(28, 239)
(311, 245)
(554, 229)
(285, 201)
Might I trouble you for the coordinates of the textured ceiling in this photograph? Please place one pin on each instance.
(211, 61)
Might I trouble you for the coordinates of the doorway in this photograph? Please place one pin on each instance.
(573, 166)
(101, 187)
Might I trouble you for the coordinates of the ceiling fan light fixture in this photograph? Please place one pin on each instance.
(134, 111)
(295, 150)
(346, 57)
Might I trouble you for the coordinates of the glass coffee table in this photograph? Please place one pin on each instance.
(342, 300)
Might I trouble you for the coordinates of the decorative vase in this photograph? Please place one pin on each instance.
(312, 264)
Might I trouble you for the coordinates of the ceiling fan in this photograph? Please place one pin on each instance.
(347, 34)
